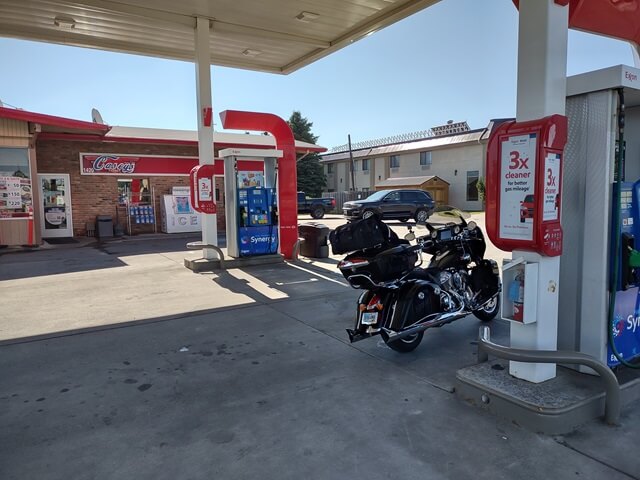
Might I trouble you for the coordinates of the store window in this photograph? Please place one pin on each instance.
(472, 186)
(15, 182)
(394, 161)
(365, 165)
(134, 190)
(425, 159)
(136, 202)
(124, 191)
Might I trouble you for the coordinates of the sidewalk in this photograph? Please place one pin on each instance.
(120, 363)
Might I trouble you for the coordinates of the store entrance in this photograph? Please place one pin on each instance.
(55, 216)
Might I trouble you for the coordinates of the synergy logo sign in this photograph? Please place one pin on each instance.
(625, 329)
(258, 240)
(618, 326)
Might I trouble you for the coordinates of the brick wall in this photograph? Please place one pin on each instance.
(93, 195)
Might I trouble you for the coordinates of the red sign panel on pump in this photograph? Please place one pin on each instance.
(203, 189)
(523, 181)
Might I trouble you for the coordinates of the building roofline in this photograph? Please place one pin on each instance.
(341, 156)
(157, 141)
(52, 120)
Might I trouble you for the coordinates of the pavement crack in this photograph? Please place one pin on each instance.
(564, 443)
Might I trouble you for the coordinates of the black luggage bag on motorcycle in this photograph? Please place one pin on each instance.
(388, 256)
(384, 265)
(360, 235)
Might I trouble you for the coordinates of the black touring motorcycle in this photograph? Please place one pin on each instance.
(400, 298)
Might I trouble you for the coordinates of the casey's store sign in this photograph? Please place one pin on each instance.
(150, 165)
(112, 164)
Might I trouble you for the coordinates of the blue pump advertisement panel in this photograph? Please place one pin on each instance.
(258, 240)
(626, 328)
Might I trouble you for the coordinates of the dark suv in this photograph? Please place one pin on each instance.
(392, 204)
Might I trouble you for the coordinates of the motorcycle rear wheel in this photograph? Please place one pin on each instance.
(403, 345)
(489, 311)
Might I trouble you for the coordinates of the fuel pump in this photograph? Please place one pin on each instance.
(624, 297)
(257, 221)
(251, 206)
(599, 273)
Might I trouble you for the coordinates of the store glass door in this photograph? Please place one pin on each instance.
(55, 216)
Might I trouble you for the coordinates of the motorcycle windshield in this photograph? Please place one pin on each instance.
(444, 214)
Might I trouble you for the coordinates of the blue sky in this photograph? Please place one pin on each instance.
(454, 61)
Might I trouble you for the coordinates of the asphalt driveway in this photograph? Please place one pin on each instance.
(117, 362)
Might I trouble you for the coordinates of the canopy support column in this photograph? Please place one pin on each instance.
(205, 125)
(542, 77)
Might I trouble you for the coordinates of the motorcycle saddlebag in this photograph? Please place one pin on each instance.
(360, 235)
(385, 264)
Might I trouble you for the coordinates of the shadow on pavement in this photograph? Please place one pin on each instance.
(38, 263)
(252, 392)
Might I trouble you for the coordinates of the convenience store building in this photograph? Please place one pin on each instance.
(57, 175)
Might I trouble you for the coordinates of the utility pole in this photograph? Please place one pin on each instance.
(353, 175)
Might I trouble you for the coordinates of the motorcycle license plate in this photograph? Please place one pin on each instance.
(369, 318)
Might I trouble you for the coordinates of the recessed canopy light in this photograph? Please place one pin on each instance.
(63, 21)
(307, 16)
(250, 52)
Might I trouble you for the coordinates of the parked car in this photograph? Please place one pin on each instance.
(526, 208)
(316, 207)
(392, 204)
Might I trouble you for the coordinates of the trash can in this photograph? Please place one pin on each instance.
(315, 237)
(104, 226)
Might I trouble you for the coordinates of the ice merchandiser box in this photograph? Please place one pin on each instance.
(178, 216)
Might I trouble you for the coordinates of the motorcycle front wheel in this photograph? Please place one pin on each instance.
(489, 311)
(403, 345)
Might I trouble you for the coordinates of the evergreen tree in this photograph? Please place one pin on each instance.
(311, 178)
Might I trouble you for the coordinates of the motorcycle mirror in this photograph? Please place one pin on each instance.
(471, 225)
(425, 224)
(410, 236)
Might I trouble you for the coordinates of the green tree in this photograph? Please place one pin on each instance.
(480, 185)
(311, 177)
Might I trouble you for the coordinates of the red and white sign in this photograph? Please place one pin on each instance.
(150, 165)
(517, 183)
(551, 199)
(523, 185)
(202, 185)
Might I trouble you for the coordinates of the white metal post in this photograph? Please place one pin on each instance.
(542, 72)
(205, 133)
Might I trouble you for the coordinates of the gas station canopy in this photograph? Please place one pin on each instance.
(277, 36)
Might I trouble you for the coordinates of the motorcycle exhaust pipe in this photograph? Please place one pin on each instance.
(438, 321)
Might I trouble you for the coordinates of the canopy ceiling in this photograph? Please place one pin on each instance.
(278, 36)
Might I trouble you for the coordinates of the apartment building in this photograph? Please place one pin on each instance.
(453, 153)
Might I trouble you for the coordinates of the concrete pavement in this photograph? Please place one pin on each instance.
(117, 362)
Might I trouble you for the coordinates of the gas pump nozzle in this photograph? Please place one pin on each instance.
(630, 261)
(634, 258)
